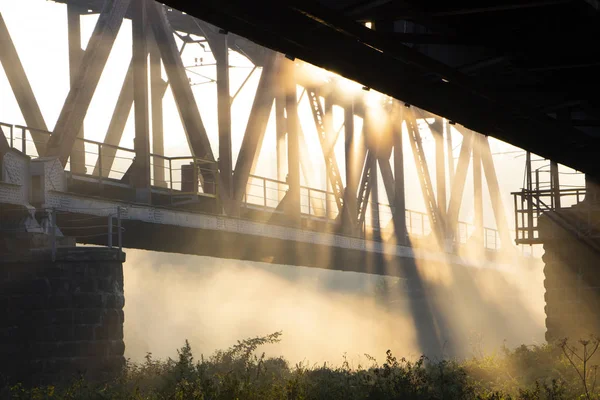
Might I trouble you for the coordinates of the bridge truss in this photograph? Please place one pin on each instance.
(210, 180)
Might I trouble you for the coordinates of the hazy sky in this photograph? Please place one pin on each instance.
(39, 31)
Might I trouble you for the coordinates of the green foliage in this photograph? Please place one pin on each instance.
(552, 371)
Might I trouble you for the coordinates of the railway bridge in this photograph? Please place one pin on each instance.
(319, 173)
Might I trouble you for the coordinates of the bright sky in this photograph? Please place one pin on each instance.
(39, 31)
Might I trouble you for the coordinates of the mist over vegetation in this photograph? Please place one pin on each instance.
(323, 314)
(557, 371)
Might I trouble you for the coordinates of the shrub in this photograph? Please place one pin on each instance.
(552, 371)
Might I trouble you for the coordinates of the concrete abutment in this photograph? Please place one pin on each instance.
(64, 318)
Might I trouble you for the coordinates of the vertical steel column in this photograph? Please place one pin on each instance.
(293, 177)
(450, 151)
(75, 57)
(352, 171)
(159, 87)
(372, 145)
(555, 184)
(330, 148)
(440, 170)
(281, 129)
(280, 139)
(221, 51)
(477, 187)
(529, 183)
(141, 177)
(399, 200)
(375, 201)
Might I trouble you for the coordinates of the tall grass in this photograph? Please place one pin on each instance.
(552, 371)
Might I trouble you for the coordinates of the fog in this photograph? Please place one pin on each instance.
(323, 314)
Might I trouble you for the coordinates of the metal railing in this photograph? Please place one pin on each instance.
(86, 228)
(531, 204)
(266, 193)
(184, 175)
(187, 175)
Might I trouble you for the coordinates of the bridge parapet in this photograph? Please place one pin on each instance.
(46, 174)
(14, 182)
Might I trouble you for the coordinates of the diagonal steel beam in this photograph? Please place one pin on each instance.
(385, 167)
(117, 124)
(255, 129)
(186, 103)
(458, 184)
(364, 190)
(182, 92)
(4, 146)
(92, 64)
(327, 140)
(494, 188)
(423, 173)
(17, 78)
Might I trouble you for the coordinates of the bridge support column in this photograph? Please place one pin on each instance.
(141, 176)
(61, 312)
(75, 56)
(572, 278)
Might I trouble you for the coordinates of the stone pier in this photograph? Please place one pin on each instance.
(61, 314)
(572, 271)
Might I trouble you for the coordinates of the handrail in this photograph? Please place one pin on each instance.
(411, 227)
(97, 143)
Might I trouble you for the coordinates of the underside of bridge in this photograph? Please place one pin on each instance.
(424, 70)
(520, 71)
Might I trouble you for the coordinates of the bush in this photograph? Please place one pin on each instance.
(553, 371)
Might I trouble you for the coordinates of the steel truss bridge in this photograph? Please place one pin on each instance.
(208, 203)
